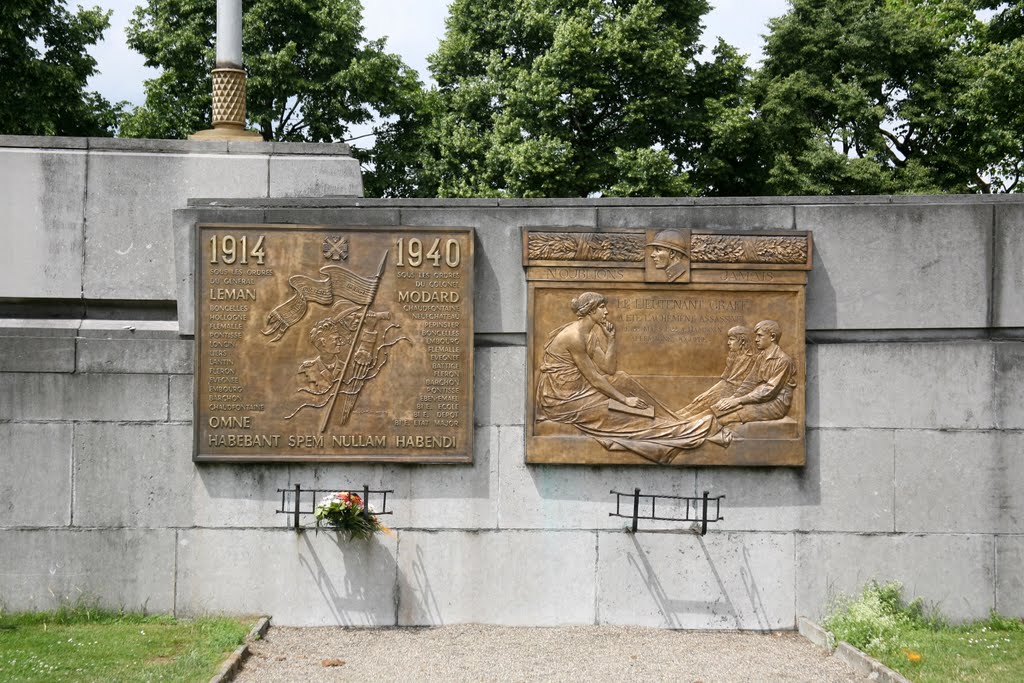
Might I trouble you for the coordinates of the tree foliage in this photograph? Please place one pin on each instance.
(569, 97)
(44, 67)
(312, 75)
(881, 96)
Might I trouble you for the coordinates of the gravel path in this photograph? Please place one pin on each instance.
(495, 653)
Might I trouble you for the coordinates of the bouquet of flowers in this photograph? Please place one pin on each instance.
(346, 512)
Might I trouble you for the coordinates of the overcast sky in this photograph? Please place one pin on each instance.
(413, 29)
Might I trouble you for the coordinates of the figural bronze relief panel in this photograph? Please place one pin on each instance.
(324, 343)
(670, 347)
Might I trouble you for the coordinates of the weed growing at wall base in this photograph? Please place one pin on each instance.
(82, 644)
(923, 646)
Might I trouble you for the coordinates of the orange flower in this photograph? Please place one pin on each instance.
(912, 656)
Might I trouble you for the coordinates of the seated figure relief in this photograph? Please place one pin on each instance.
(579, 384)
(738, 363)
(767, 391)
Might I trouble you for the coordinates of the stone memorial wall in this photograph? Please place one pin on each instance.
(913, 409)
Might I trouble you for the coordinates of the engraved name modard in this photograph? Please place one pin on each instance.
(334, 344)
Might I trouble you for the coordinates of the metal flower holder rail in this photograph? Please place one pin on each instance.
(698, 506)
(293, 504)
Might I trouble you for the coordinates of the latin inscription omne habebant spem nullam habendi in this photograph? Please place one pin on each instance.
(666, 346)
(323, 343)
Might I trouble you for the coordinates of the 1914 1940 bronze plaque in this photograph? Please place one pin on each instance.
(671, 347)
(328, 343)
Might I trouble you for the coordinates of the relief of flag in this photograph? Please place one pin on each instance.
(337, 283)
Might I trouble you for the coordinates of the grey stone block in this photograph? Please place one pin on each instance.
(43, 141)
(160, 356)
(513, 578)
(457, 496)
(302, 579)
(236, 495)
(184, 224)
(898, 266)
(698, 217)
(855, 659)
(959, 482)
(953, 573)
(348, 216)
(41, 223)
(250, 147)
(1010, 576)
(1008, 281)
(151, 145)
(901, 385)
(128, 329)
(566, 497)
(37, 354)
(816, 634)
(1009, 389)
(500, 284)
(292, 175)
(499, 385)
(35, 474)
(130, 252)
(331, 477)
(50, 396)
(133, 475)
(181, 398)
(129, 569)
(846, 485)
(333, 149)
(719, 581)
(38, 327)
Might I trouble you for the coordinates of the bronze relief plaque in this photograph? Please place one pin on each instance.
(671, 347)
(325, 343)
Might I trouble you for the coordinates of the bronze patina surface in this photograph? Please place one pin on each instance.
(325, 343)
(671, 347)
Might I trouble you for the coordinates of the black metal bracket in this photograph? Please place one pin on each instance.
(292, 504)
(699, 507)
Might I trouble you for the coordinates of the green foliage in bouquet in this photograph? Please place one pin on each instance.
(346, 512)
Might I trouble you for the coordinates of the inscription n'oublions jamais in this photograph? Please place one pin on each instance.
(334, 344)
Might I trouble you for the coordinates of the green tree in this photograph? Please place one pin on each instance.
(569, 98)
(886, 96)
(44, 68)
(312, 75)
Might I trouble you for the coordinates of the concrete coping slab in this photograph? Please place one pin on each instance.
(129, 329)
(598, 203)
(41, 327)
(336, 202)
(145, 145)
(44, 141)
(312, 148)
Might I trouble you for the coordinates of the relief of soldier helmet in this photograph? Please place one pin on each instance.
(671, 239)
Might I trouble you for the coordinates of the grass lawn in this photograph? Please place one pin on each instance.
(975, 652)
(87, 645)
(923, 647)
